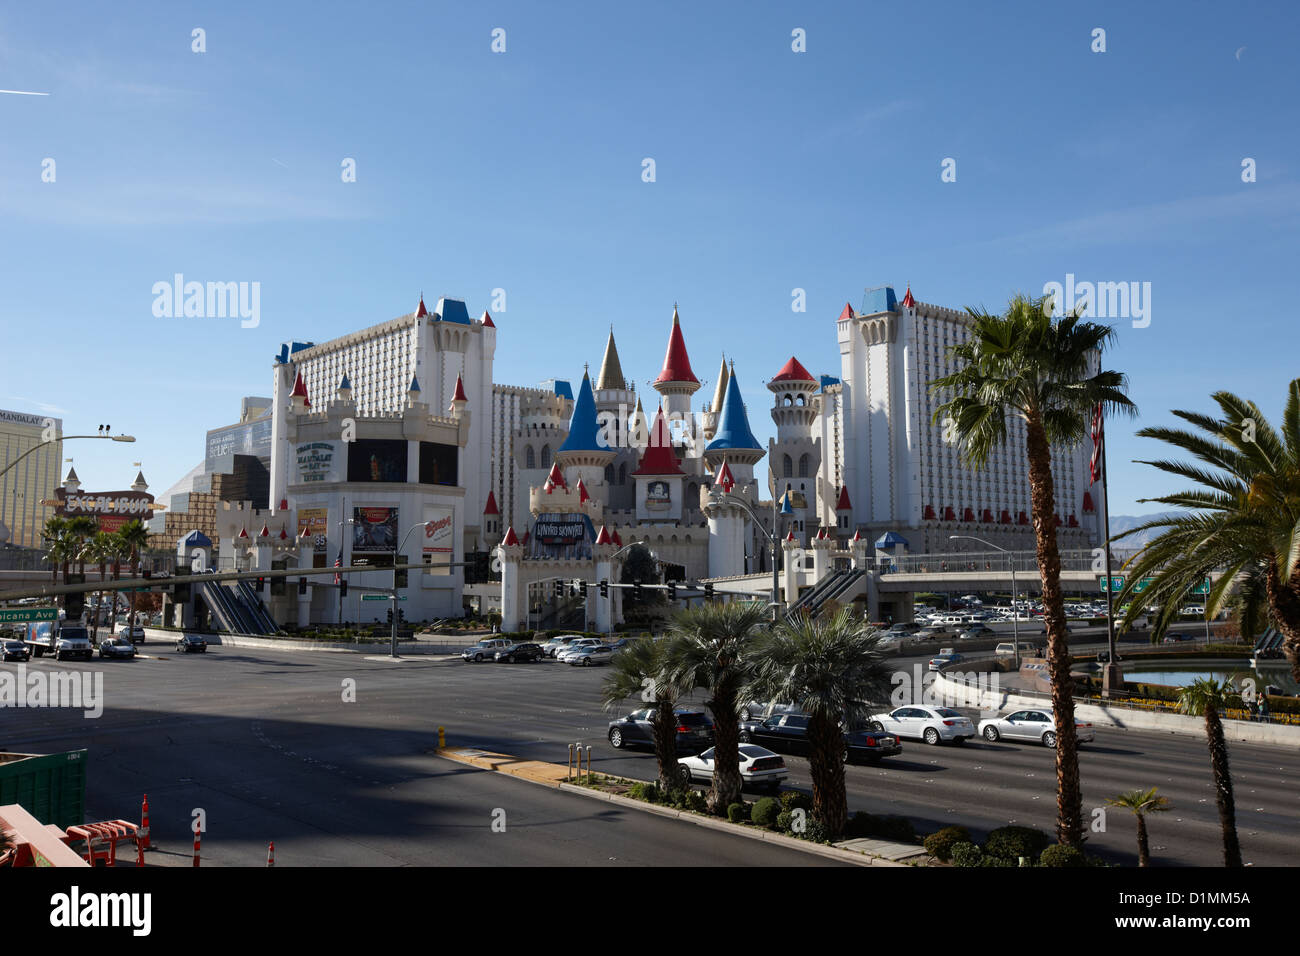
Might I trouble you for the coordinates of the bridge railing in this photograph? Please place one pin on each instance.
(966, 562)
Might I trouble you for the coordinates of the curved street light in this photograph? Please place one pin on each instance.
(1011, 563)
(723, 497)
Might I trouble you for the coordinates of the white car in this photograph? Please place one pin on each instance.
(589, 654)
(931, 724)
(759, 767)
(1033, 724)
(576, 647)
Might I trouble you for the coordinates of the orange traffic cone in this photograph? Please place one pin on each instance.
(270, 854)
(196, 847)
(143, 833)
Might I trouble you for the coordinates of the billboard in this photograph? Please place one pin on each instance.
(253, 438)
(439, 537)
(374, 530)
(315, 461)
(561, 536)
(314, 522)
(112, 509)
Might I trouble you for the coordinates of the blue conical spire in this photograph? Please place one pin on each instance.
(733, 424)
(582, 427)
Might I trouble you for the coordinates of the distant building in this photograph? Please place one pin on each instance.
(32, 480)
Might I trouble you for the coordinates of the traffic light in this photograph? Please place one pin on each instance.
(636, 589)
(708, 592)
(302, 586)
(343, 588)
(401, 616)
(261, 585)
(582, 589)
(672, 591)
(390, 615)
(559, 589)
(400, 576)
(604, 587)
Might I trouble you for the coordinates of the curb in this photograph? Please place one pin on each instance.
(488, 761)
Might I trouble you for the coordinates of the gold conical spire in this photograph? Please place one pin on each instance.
(611, 372)
(720, 392)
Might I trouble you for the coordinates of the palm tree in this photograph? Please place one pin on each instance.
(1245, 520)
(1142, 802)
(82, 529)
(640, 670)
(1207, 697)
(55, 534)
(135, 536)
(831, 669)
(1026, 365)
(103, 548)
(711, 650)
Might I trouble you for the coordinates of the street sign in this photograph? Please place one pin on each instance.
(1202, 588)
(1116, 584)
(380, 597)
(1143, 585)
(23, 615)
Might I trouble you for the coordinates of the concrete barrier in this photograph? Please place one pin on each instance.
(435, 648)
(1126, 718)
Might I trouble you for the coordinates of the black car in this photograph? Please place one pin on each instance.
(530, 653)
(788, 733)
(694, 730)
(15, 651)
(192, 642)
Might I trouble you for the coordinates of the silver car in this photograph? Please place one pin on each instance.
(588, 655)
(1035, 724)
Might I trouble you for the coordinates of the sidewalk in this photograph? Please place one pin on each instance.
(860, 852)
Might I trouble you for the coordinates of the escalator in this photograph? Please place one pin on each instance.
(256, 610)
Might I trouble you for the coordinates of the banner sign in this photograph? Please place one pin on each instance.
(115, 504)
(374, 530)
(439, 537)
(315, 461)
(313, 521)
(562, 536)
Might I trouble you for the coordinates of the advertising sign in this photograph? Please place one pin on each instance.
(561, 536)
(253, 438)
(374, 530)
(313, 521)
(315, 460)
(658, 496)
(439, 537)
(112, 508)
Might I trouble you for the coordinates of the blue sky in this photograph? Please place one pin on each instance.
(521, 170)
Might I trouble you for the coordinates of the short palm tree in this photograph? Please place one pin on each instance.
(712, 650)
(640, 671)
(1142, 802)
(1024, 364)
(1206, 697)
(831, 669)
(103, 547)
(1244, 520)
(57, 547)
(82, 529)
(134, 536)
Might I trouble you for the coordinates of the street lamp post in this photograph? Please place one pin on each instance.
(428, 527)
(785, 509)
(1011, 563)
(51, 441)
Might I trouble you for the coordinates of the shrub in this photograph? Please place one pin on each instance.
(966, 854)
(796, 800)
(988, 860)
(939, 845)
(765, 812)
(783, 821)
(695, 801)
(1014, 842)
(736, 812)
(1058, 854)
(648, 792)
(818, 832)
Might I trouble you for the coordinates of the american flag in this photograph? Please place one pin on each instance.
(1098, 441)
(338, 563)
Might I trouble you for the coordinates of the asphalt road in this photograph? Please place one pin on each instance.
(264, 742)
(266, 747)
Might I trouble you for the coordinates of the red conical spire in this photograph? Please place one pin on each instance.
(243, 533)
(511, 539)
(491, 507)
(677, 364)
(847, 313)
(843, 504)
(582, 492)
(555, 479)
(792, 371)
(460, 391)
(487, 320)
(659, 458)
(908, 301)
(603, 537)
(421, 312)
(300, 389)
(265, 532)
(725, 481)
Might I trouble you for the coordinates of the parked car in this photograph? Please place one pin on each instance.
(758, 709)
(558, 643)
(903, 630)
(788, 733)
(1177, 638)
(486, 649)
(576, 646)
(759, 767)
(1008, 649)
(589, 655)
(73, 642)
(931, 724)
(528, 653)
(117, 647)
(15, 651)
(192, 643)
(1033, 724)
(694, 730)
(977, 632)
(935, 632)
